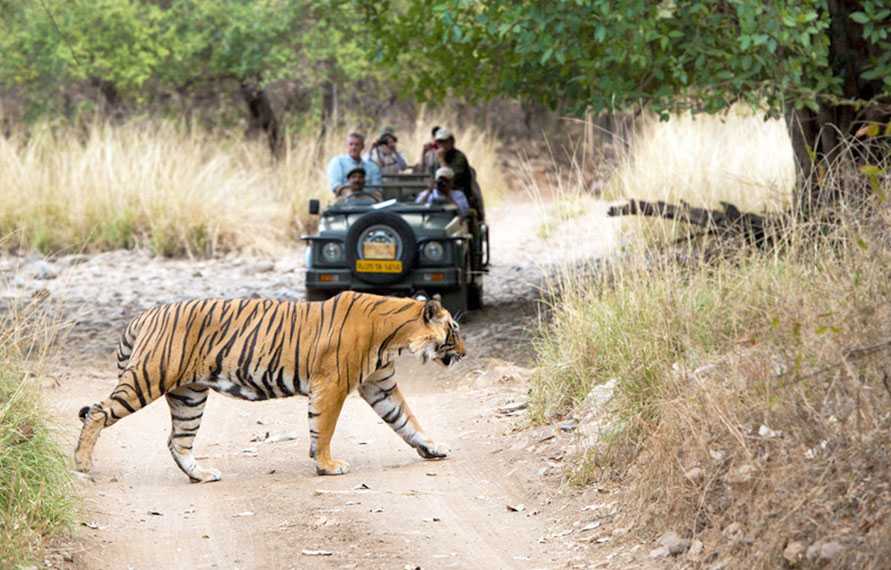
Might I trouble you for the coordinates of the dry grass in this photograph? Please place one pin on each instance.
(174, 191)
(706, 352)
(735, 157)
(36, 498)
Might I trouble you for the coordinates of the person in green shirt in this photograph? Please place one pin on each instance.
(449, 156)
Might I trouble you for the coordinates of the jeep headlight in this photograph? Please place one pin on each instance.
(332, 252)
(434, 251)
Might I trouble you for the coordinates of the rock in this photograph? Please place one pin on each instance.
(733, 531)
(695, 550)
(660, 552)
(568, 425)
(742, 475)
(264, 267)
(794, 552)
(76, 259)
(813, 551)
(619, 532)
(768, 433)
(42, 270)
(695, 475)
(830, 550)
(674, 543)
(308, 552)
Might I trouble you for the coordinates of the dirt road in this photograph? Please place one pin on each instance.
(393, 510)
(270, 506)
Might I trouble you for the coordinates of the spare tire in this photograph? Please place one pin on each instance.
(386, 226)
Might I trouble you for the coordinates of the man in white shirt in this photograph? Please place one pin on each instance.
(341, 165)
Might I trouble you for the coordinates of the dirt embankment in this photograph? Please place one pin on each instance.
(496, 502)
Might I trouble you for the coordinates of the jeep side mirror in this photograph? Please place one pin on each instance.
(313, 207)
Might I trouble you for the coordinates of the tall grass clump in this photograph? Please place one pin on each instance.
(176, 191)
(738, 157)
(36, 497)
(752, 398)
(150, 185)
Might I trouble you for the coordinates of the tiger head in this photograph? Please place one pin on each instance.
(440, 339)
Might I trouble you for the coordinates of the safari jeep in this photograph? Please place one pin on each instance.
(393, 246)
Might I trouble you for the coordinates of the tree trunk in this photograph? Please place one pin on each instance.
(112, 104)
(818, 136)
(329, 106)
(261, 117)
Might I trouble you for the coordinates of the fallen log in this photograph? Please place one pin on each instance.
(728, 222)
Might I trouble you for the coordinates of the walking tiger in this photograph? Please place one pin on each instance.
(257, 349)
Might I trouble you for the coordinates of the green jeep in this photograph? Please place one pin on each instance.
(380, 241)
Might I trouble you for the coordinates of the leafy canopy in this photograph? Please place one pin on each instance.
(143, 47)
(606, 55)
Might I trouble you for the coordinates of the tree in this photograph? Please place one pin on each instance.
(133, 51)
(114, 46)
(825, 63)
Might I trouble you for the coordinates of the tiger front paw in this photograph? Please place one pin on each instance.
(431, 451)
(205, 475)
(332, 467)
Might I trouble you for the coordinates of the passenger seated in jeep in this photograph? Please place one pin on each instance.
(355, 187)
(340, 166)
(442, 192)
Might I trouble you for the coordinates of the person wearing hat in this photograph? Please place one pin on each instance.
(355, 183)
(443, 193)
(343, 164)
(448, 155)
(428, 153)
(384, 154)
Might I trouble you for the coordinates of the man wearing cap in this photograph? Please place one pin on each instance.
(384, 154)
(355, 182)
(428, 154)
(448, 155)
(442, 192)
(340, 166)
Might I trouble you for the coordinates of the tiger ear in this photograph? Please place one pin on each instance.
(431, 309)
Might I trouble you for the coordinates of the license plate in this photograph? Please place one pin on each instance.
(378, 266)
(379, 250)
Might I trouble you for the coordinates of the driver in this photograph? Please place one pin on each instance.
(355, 183)
(442, 192)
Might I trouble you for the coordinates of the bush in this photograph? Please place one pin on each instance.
(752, 395)
(36, 497)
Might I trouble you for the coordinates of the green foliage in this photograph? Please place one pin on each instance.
(48, 44)
(139, 48)
(36, 498)
(602, 55)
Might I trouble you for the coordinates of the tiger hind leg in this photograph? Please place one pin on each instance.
(186, 409)
(130, 395)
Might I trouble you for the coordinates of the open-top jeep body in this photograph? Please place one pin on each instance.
(394, 246)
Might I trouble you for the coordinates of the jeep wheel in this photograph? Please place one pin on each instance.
(475, 296)
(455, 300)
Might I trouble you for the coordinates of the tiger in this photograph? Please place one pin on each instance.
(256, 349)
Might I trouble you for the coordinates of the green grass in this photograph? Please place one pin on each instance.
(36, 496)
